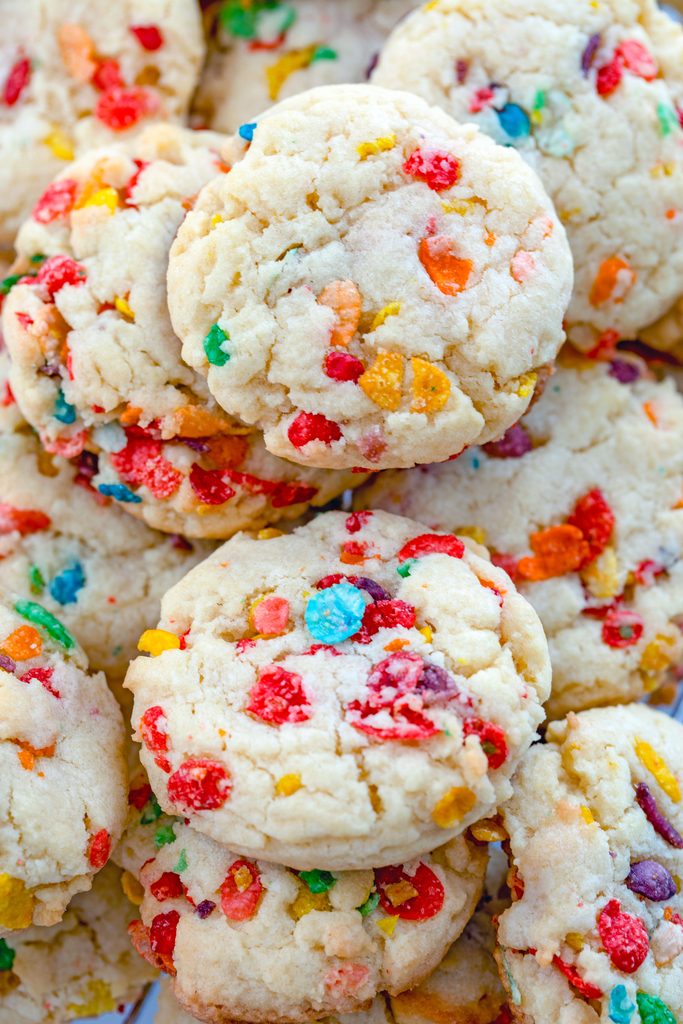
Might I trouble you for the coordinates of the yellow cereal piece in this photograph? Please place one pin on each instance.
(460, 206)
(278, 73)
(431, 5)
(527, 383)
(476, 533)
(587, 814)
(488, 830)
(393, 309)
(288, 784)
(566, 215)
(268, 533)
(97, 998)
(382, 382)
(243, 878)
(658, 767)
(426, 633)
(453, 806)
(431, 387)
(156, 641)
(59, 144)
(132, 889)
(388, 925)
(307, 901)
(16, 903)
(124, 309)
(216, 219)
(575, 941)
(380, 145)
(108, 197)
(656, 658)
(602, 576)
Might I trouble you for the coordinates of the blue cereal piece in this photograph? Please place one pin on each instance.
(336, 613)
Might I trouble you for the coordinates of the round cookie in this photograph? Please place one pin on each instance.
(589, 95)
(349, 695)
(95, 362)
(336, 297)
(262, 52)
(581, 503)
(80, 73)
(81, 967)
(63, 777)
(298, 945)
(99, 571)
(595, 932)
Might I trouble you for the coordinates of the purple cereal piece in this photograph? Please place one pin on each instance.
(651, 880)
(49, 370)
(7, 664)
(660, 824)
(205, 908)
(436, 686)
(376, 592)
(588, 54)
(461, 69)
(624, 371)
(88, 465)
(512, 445)
(197, 444)
(179, 542)
(374, 61)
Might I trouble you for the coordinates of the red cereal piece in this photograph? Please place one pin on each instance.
(609, 77)
(121, 108)
(140, 940)
(22, 520)
(162, 933)
(393, 710)
(492, 738)
(343, 367)
(309, 427)
(356, 521)
(481, 99)
(393, 884)
(593, 516)
(150, 37)
(59, 271)
(623, 936)
(42, 676)
(56, 201)
(278, 697)
(153, 730)
(622, 627)
(139, 796)
(646, 572)
(108, 75)
(142, 463)
(347, 979)
(438, 169)
(271, 615)
(16, 82)
(506, 562)
(168, 886)
(285, 494)
(209, 485)
(584, 988)
(385, 615)
(128, 191)
(637, 59)
(431, 544)
(199, 785)
(241, 891)
(99, 849)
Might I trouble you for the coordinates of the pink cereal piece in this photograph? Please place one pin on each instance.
(347, 979)
(523, 265)
(271, 615)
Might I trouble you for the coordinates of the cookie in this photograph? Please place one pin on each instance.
(99, 571)
(77, 74)
(299, 945)
(263, 52)
(595, 932)
(589, 95)
(96, 365)
(349, 695)
(10, 417)
(81, 967)
(63, 778)
(335, 296)
(581, 503)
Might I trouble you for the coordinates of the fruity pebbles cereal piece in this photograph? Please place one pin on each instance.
(364, 322)
(265, 51)
(590, 95)
(581, 502)
(96, 366)
(347, 696)
(298, 943)
(63, 774)
(100, 572)
(80, 73)
(10, 415)
(83, 966)
(595, 931)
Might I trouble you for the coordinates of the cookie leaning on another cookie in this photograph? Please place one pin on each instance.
(334, 294)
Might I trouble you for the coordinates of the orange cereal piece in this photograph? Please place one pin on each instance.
(227, 450)
(23, 644)
(447, 271)
(78, 51)
(557, 550)
(130, 416)
(193, 421)
(382, 382)
(344, 299)
(431, 387)
(651, 414)
(613, 281)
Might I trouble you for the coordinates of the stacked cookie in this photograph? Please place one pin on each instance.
(405, 349)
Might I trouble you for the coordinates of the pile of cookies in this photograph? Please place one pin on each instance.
(341, 511)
